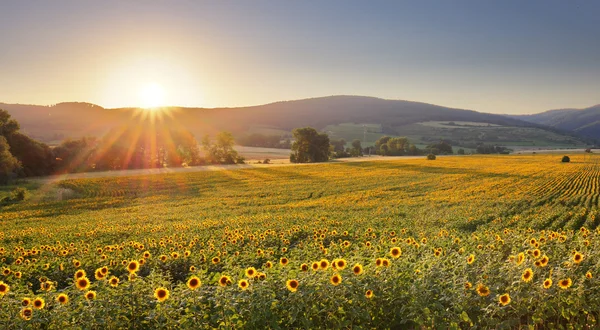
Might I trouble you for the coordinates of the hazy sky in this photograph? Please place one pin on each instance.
(502, 56)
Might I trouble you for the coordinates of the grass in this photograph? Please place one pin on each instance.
(467, 229)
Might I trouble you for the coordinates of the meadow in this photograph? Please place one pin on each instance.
(458, 242)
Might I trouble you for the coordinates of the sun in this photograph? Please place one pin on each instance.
(152, 96)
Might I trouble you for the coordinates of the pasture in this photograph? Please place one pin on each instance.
(487, 241)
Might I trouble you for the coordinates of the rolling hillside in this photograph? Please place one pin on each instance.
(393, 117)
(583, 122)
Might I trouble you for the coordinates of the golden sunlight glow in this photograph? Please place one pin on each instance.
(152, 96)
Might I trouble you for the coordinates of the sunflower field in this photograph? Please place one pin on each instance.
(459, 242)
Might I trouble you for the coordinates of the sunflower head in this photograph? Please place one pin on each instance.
(26, 313)
(395, 252)
(357, 269)
(224, 281)
(193, 283)
(527, 275)
(483, 290)
(547, 283)
(114, 281)
(161, 294)
(90, 295)
(336, 279)
(243, 284)
(292, 285)
(369, 294)
(471, 259)
(565, 283)
(62, 299)
(4, 288)
(577, 257)
(323, 264)
(82, 283)
(504, 299)
(39, 303)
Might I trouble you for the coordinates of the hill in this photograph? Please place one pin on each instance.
(392, 117)
(583, 122)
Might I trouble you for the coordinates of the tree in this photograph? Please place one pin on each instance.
(309, 146)
(431, 157)
(566, 159)
(9, 165)
(356, 148)
(221, 151)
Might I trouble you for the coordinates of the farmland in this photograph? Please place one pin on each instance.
(492, 241)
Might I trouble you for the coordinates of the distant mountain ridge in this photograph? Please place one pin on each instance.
(78, 118)
(583, 122)
(52, 124)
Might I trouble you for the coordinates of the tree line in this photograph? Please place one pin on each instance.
(127, 147)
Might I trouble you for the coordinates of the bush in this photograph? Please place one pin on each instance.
(267, 161)
(19, 194)
(431, 157)
(566, 159)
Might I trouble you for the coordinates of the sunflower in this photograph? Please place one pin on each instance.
(193, 283)
(357, 269)
(315, 266)
(82, 283)
(147, 254)
(114, 281)
(216, 260)
(26, 313)
(133, 266)
(565, 283)
(378, 262)
(471, 259)
(504, 299)
(341, 264)
(262, 276)
(62, 299)
(483, 290)
(292, 285)
(80, 273)
(527, 275)
(268, 264)
(90, 295)
(395, 252)
(18, 274)
(544, 261)
(25, 302)
(468, 285)
(520, 258)
(547, 283)
(385, 262)
(536, 253)
(39, 303)
(335, 279)
(577, 257)
(4, 288)
(99, 275)
(369, 294)
(192, 269)
(163, 258)
(46, 286)
(161, 294)
(243, 284)
(224, 280)
(323, 264)
(589, 275)
(284, 261)
(250, 272)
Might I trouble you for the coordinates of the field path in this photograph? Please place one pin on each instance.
(275, 163)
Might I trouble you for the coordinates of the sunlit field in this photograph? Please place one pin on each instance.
(493, 241)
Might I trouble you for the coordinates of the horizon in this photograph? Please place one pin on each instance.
(501, 58)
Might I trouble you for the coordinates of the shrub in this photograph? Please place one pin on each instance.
(267, 161)
(431, 157)
(566, 159)
(19, 194)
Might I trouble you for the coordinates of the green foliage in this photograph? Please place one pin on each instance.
(220, 151)
(309, 146)
(9, 165)
(431, 157)
(395, 146)
(565, 159)
(460, 151)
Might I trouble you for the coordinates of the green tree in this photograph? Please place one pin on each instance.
(221, 150)
(356, 150)
(309, 146)
(9, 165)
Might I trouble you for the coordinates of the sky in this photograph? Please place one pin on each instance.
(499, 57)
